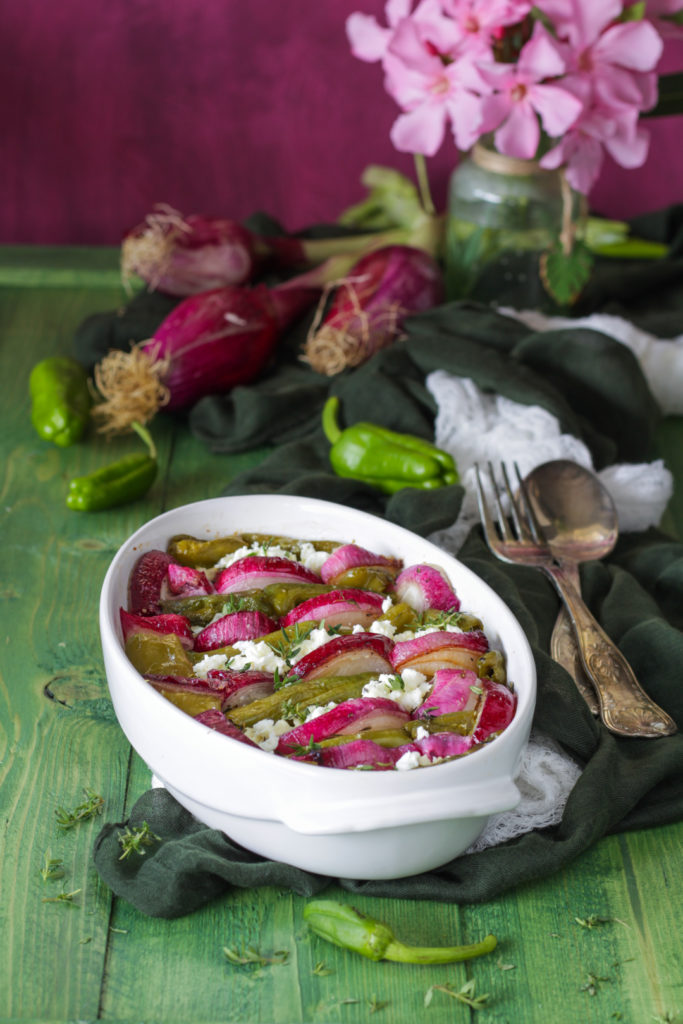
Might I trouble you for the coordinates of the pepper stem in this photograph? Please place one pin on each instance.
(144, 433)
(330, 424)
(438, 954)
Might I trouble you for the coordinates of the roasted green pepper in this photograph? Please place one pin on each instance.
(116, 484)
(352, 930)
(383, 458)
(60, 400)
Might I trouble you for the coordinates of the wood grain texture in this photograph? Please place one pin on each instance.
(98, 958)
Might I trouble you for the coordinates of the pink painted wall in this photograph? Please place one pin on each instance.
(213, 106)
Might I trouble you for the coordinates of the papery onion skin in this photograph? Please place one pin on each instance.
(370, 305)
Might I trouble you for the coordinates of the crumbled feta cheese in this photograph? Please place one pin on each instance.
(316, 710)
(311, 558)
(270, 550)
(384, 627)
(318, 637)
(411, 759)
(409, 634)
(409, 697)
(421, 733)
(208, 663)
(257, 654)
(387, 603)
(266, 733)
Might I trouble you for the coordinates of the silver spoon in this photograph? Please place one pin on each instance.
(579, 521)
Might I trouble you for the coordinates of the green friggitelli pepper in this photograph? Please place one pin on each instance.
(117, 484)
(60, 400)
(348, 928)
(384, 458)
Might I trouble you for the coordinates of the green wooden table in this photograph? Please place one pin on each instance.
(95, 957)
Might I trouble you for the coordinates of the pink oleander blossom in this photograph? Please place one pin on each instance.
(576, 71)
(520, 97)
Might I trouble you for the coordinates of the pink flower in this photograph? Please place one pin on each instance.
(521, 95)
(478, 21)
(581, 151)
(433, 91)
(659, 11)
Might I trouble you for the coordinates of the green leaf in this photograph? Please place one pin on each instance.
(565, 274)
(636, 12)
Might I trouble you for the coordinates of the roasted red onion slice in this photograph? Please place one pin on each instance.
(453, 690)
(441, 649)
(184, 581)
(426, 586)
(497, 712)
(349, 717)
(346, 656)
(351, 556)
(362, 754)
(257, 571)
(233, 627)
(338, 608)
(168, 623)
(147, 581)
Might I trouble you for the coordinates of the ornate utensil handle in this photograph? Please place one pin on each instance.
(564, 648)
(624, 706)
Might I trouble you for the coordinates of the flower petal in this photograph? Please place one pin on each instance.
(519, 134)
(635, 45)
(421, 130)
(540, 57)
(557, 108)
(367, 38)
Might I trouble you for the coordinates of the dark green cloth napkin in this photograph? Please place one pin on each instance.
(625, 784)
(596, 389)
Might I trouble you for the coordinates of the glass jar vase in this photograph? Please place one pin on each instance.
(502, 214)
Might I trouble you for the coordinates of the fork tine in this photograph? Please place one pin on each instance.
(534, 530)
(516, 514)
(503, 525)
(484, 513)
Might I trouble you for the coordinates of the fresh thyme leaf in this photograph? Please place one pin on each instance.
(504, 967)
(592, 984)
(476, 689)
(322, 970)
(377, 1004)
(252, 957)
(396, 682)
(594, 920)
(63, 897)
(53, 867)
(91, 806)
(464, 995)
(133, 840)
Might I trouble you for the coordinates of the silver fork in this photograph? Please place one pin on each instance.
(624, 707)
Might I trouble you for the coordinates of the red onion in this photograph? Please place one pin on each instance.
(209, 343)
(370, 305)
(444, 744)
(351, 556)
(187, 255)
(426, 586)
(233, 627)
(184, 581)
(497, 712)
(147, 581)
(257, 571)
(451, 691)
(337, 608)
(440, 649)
(363, 753)
(346, 656)
(348, 717)
(169, 623)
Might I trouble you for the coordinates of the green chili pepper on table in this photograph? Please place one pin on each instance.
(384, 458)
(60, 400)
(348, 928)
(117, 484)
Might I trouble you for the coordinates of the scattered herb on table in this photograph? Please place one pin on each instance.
(347, 927)
(252, 957)
(134, 840)
(63, 897)
(53, 867)
(464, 995)
(594, 921)
(592, 984)
(91, 806)
(322, 970)
(503, 966)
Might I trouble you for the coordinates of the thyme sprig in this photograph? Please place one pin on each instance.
(253, 957)
(133, 840)
(53, 867)
(464, 995)
(63, 897)
(91, 806)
